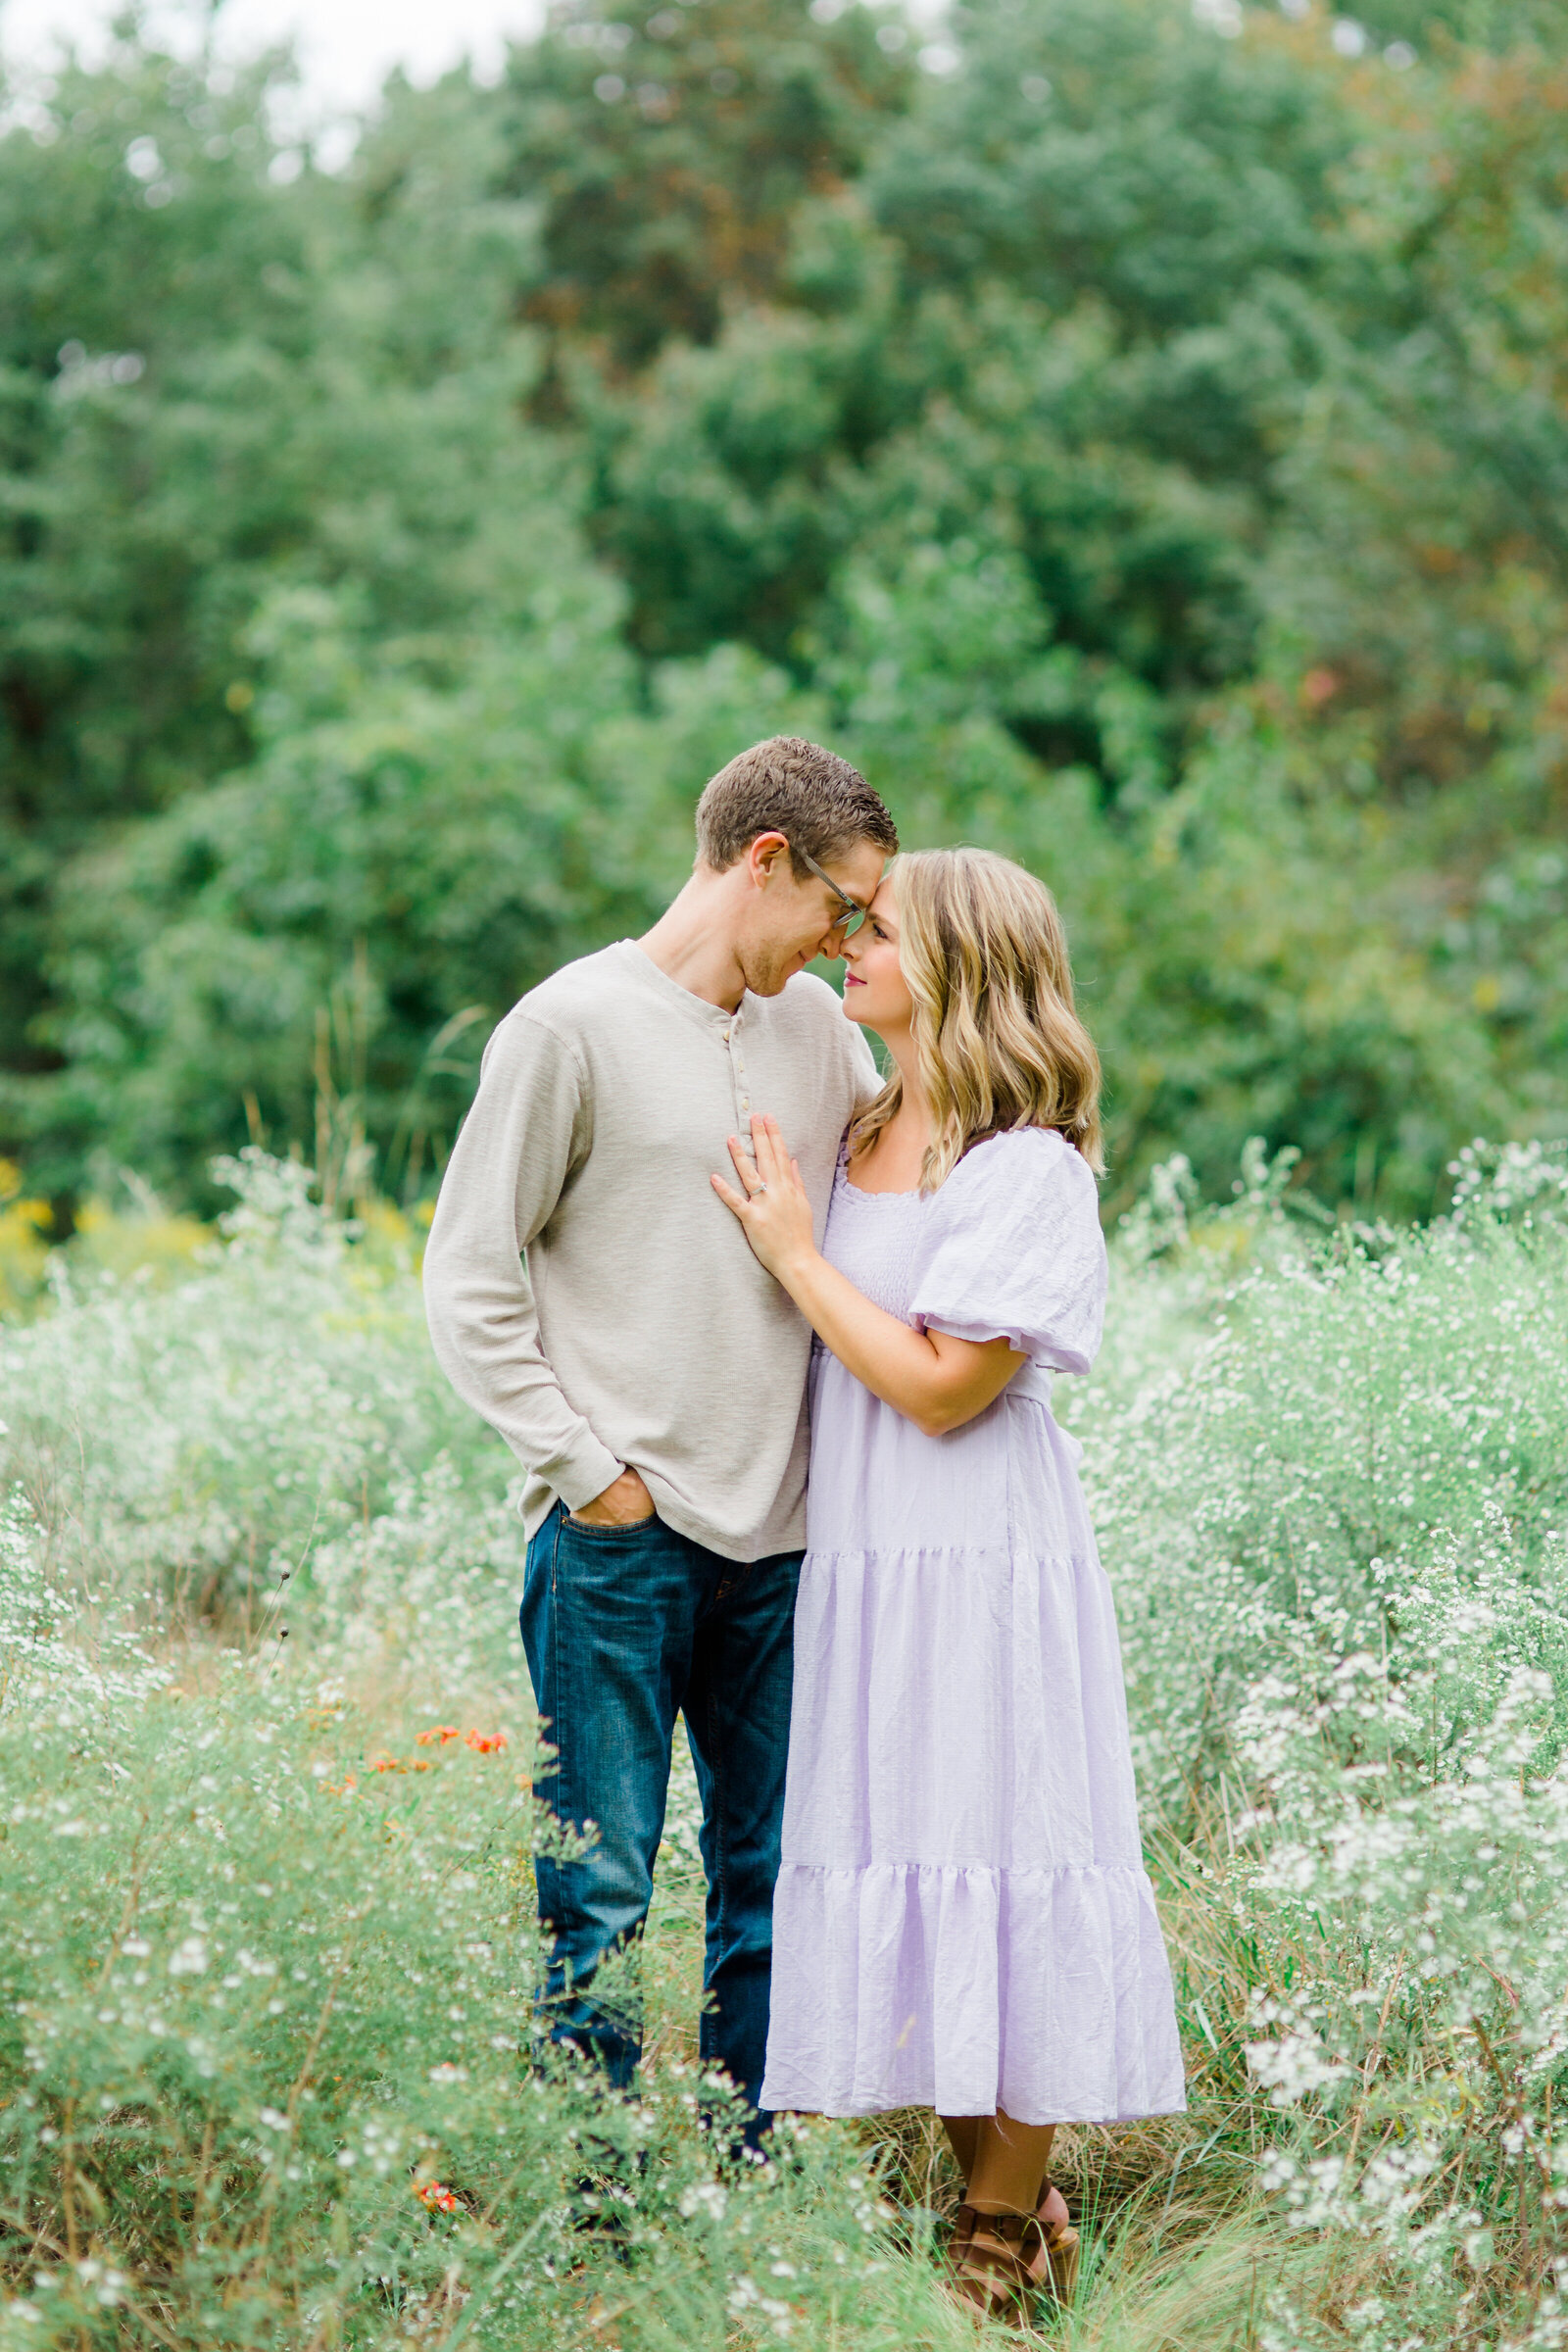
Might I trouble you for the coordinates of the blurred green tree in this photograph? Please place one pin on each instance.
(667, 155)
(1136, 434)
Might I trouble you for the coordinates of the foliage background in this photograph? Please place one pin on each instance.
(1134, 434)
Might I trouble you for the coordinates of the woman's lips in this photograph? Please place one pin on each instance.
(850, 981)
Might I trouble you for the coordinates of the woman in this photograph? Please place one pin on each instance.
(963, 1917)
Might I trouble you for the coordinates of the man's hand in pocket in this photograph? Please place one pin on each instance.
(623, 1501)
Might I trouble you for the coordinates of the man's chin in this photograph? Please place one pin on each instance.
(772, 980)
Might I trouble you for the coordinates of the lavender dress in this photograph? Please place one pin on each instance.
(962, 1918)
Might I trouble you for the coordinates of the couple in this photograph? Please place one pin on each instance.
(941, 1900)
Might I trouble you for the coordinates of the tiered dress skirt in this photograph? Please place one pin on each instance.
(962, 1918)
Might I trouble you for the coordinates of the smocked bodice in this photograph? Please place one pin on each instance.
(871, 1238)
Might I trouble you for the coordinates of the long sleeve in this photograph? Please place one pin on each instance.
(529, 1128)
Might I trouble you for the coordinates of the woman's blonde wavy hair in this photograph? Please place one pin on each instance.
(997, 1041)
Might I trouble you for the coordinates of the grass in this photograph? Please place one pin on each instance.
(266, 1954)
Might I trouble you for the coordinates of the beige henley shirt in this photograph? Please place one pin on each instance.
(588, 1292)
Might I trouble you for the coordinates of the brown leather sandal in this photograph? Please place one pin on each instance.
(1062, 2249)
(1001, 2263)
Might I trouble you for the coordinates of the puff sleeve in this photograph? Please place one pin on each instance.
(1011, 1248)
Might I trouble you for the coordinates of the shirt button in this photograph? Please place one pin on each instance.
(746, 1101)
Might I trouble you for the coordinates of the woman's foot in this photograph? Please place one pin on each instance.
(1061, 2242)
(999, 2262)
(1003, 2259)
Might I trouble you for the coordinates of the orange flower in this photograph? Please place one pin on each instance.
(486, 1743)
(438, 1735)
(435, 2198)
(386, 1764)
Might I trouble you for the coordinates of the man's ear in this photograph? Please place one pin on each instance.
(764, 854)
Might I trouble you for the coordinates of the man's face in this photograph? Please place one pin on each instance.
(795, 921)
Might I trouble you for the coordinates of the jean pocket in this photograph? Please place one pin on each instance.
(598, 1529)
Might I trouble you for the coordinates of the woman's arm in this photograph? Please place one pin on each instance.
(936, 1382)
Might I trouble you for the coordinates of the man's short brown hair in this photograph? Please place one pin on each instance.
(818, 802)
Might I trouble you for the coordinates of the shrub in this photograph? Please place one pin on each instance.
(183, 1444)
(266, 2061)
(1337, 1530)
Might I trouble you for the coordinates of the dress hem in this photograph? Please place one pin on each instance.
(805, 2104)
(1014, 1872)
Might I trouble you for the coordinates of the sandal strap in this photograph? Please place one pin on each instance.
(997, 2260)
(1061, 2252)
(1026, 2240)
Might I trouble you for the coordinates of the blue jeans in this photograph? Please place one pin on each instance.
(624, 1628)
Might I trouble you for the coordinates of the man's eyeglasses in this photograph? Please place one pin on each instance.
(850, 913)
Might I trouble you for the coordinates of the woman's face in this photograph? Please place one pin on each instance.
(875, 990)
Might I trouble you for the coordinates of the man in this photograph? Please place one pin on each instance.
(649, 1374)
